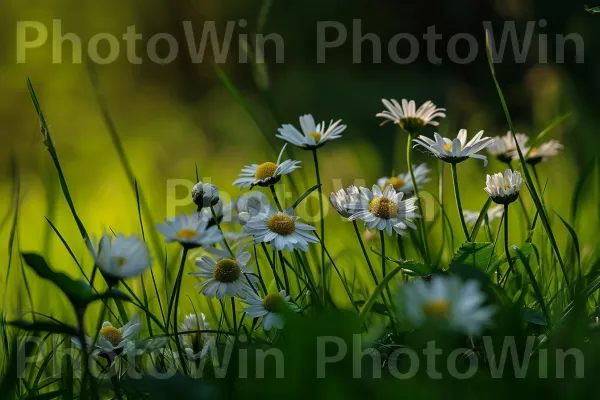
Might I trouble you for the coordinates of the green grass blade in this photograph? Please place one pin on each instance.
(480, 219)
(538, 293)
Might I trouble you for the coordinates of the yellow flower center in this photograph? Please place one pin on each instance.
(436, 309)
(112, 334)
(316, 136)
(382, 207)
(265, 170)
(120, 261)
(396, 182)
(272, 302)
(186, 234)
(448, 146)
(227, 271)
(281, 224)
(506, 186)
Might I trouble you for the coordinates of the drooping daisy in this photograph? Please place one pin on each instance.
(456, 150)
(205, 195)
(226, 276)
(110, 339)
(313, 135)
(493, 214)
(265, 174)
(190, 230)
(541, 152)
(504, 188)
(403, 182)
(281, 229)
(253, 200)
(503, 146)
(385, 210)
(408, 117)
(195, 344)
(269, 308)
(342, 199)
(447, 302)
(123, 257)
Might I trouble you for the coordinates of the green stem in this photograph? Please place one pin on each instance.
(214, 215)
(175, 323)
(506, 247)
(285, 275)
(383, 267)
(421, 222)
(364, 250)
(274, 193)
(235, 326)
(458, 203)
(320, 191)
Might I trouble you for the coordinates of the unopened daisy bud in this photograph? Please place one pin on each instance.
(205, 195)
(342, 199)
(504, 188)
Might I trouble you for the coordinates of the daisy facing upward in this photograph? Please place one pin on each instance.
(265, 174)
(313, 135)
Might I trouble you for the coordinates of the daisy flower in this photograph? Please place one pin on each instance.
(195, 344)
(281, 229)
(385, 210)
(205, 195)
(123, 257)
(408, 117)
(504, 188)
(447, 302)
(225, 276)
(269, 308)
(342, 199)
(111, 339)
(265, 174)
(456, 150)
(503, 146)
(403, 182)
(493, 214)
(313, 135)
(190, 230)
(540, 153)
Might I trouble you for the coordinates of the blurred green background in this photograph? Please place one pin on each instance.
(173, 117)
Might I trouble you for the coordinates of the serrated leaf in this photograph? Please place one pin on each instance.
(475, 254)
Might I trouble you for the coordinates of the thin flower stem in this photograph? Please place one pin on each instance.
(274, 193)
(401, 247)
(420, 221)
(233, 316)
(362, 246)
(285, 275)
(383, 268)
(320, 191)
(271, 263)
(458, 203)
(506, 247)
(175, 323)
(214, 215)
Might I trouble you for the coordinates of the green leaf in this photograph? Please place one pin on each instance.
(480, 219)
(52, 327)
(305, 195)
(592, 10)
(476, 254)
(79, 292)
(538, 292)
(574, 237)
(533, 317)
(416, 267)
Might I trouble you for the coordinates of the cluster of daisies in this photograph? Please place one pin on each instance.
(389, 206)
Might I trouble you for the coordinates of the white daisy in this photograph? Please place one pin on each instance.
(342, 199)
(541, 152)
(312, 135)
(225, 276)
(281, 229)
(503, 146)
(195, 344)
(110, 339)
(265, 174)
(447, 302)
(123, 257)
(409, 117)
(269, 308)
(493, 214)
(385, 210)
(253, 200)
(190, 230)
(403, 182)
(504, 188)
(205, 195)
(456, 150)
